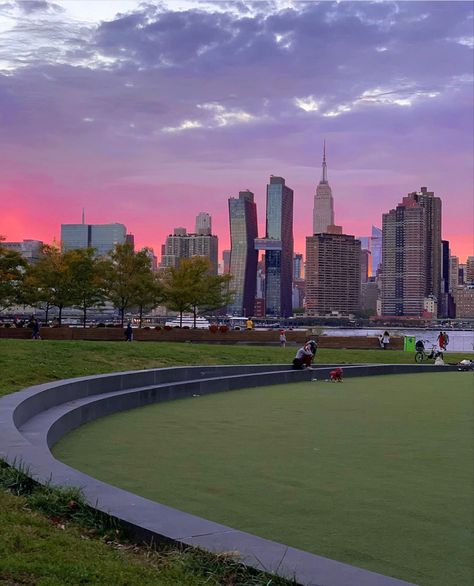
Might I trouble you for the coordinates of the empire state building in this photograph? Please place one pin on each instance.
(323, 211)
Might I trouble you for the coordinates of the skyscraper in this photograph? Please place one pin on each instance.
(102, 237)
(432, 205)
(278, 247)
(203, 224)
(376, 249)
(332, 274)
(243, 254)
(404, 259)
(323, 211)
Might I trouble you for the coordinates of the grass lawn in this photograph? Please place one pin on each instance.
(376, 472)
(27, 362)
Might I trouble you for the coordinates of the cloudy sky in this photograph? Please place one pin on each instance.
(147, 113)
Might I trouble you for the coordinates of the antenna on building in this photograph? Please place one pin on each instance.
(83, 216)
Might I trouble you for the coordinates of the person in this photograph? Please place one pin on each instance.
(465, 365)
(336, 375)
(441, 341)
(128, 332)
(36, 330)
(304, 356)
(439, 360)
(385, 340)
(282, 338)
(446, 340)
(249, 324)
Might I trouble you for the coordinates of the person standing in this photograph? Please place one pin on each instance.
(385, 340)
(282, 338)
(441, 340)
(36, 330)
(249, 324)
(446, 340)
(129, 332)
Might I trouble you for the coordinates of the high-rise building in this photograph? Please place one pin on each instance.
(226, 261)
(30, 250)
(404, 259)
(365, 265)
(298, 266)
(243, 254)
(432, 205)
(470, 270)
(102, 237)
(130, 239)
(446, 306)
(203, 224)
(376, 249)
(278, 246)
(323, 210)
(181, 245)
(453, 272)
(332, 274)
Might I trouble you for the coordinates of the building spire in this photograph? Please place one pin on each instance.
(324, 178)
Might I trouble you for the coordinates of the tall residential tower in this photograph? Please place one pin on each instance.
(243, 255)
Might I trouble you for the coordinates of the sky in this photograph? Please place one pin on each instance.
(147, 113)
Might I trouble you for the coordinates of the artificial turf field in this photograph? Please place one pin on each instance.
(376, 472)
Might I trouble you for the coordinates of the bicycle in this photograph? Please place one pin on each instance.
(421, 353)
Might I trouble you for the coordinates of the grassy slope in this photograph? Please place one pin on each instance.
(377, 472)
(27, 362)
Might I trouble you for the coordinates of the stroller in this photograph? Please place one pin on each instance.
(421, 353)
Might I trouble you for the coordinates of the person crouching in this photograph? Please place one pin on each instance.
(303, 357)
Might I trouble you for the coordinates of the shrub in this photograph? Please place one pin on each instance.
(158, 328)
(213, 328)
(7, 325)
(146, 328)
(185, 327)
(167, 328)
(223, 329)
(101, 325)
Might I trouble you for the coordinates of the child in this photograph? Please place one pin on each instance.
(336, 375)
(282, 338)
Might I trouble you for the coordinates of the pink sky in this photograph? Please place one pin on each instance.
(149, 117)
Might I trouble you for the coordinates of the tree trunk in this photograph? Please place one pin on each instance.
(60, 318)
(141, 316)
(181, 319)
(84, 309)
(46, 313)
(122, 315)
(194, 315)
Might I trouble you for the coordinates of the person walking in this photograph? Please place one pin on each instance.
(385, 340)
(441, 341)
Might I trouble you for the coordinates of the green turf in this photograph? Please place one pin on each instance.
(376, 472)
(28, 362)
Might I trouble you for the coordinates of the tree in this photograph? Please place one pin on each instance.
(124, 272)
(12, 268)
(50, 281)
(87, 280)
(191, 287)
(149, 293)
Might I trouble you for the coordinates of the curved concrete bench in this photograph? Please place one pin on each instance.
(33, 420)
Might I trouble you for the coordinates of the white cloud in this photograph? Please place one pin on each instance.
(185, 125)
(308, 104)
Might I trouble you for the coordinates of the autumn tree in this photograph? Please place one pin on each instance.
(12, 268)
(125, 272)
(87, 280)
(192, 287)
(50, 279)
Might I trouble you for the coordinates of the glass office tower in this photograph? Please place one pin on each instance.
(243, 255)
(278, 246)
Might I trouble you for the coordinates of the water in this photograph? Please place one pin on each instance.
(459, 340)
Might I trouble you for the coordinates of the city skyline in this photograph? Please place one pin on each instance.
(219, 97)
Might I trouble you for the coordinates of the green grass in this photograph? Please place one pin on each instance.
(28, 362)
(376, 472)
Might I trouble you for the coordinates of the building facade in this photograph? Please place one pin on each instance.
(332, 274)
(101, 237)
(243, 255)
(30, 250)
(404, 259)
(323, 210)
(278, 247)
(203, 224)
